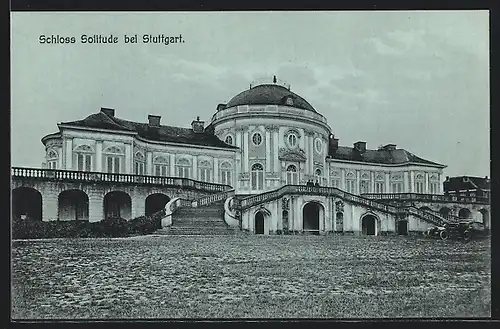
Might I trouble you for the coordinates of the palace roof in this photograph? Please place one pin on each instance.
(269, 94)
(159, 133)
(380, 156)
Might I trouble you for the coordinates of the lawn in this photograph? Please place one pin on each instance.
(250, 277)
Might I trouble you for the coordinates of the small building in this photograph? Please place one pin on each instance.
(468, 186)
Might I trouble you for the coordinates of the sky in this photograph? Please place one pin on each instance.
(417, 79)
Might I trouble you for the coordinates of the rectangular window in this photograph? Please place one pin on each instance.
(113, 164)
(434, 188)
(397, 187)
(183, 172)
(226, 177)
(161, 170)
(83, 162)
(139, 168)
(350, 186)
(88, 162)
(364, 186)
(336, 183)
(52, 165)
(379, 187)
(419, 187)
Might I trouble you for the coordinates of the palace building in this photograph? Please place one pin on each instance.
(260, 152)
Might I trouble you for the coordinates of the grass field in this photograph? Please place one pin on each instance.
(250, 277)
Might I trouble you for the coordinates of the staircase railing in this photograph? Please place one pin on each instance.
(213, 198)
(426, 197)
(254, 200)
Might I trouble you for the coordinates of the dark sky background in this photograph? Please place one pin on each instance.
(416, 79)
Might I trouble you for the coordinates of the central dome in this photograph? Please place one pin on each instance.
(269, 94)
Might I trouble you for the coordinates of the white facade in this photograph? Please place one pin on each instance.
(276, 145)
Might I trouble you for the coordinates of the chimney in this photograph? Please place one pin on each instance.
(154, 120)
(198, 126)
(447, 178)
(389, 147)
(360, 146)
(108, 112)
(334, 144)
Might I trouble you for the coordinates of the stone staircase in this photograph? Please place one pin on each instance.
(204, 220)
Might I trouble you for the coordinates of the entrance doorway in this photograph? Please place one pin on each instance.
(311, 218)
(403, 227)
(368, 225)
(259, 223)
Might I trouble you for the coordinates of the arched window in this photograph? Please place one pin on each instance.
(205, 171)
(183, 166)
(229, 140)
(419, 183)
(257, 139)
(52, 159)
(397, 183)
(379, 183)
(114, 159)
(364, 185)
(139, 163)
(257, 177)
(350, 182)
(160, 164)
(434, 184)
(225, 173)
(292, 176)
(83, 157)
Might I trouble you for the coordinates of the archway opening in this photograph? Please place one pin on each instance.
(444, 211)
(26, 203)
(117, 204)
(368, 225)
(464, 213)
(486, 218)
(403, 227)
(310, 215)
(73, 205)
(156, 202)
(259, 223)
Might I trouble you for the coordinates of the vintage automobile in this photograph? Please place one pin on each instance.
(459, 230)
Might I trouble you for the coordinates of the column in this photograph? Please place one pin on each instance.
(406, 183)
(268, 149)
(387, 182)
(60, 158)
(342, 179)
(372, 182)
(149, 163)
(96, 207)
(412, 181)
(172, 165)
(358, 180)
(245, 151)
(98, 156)
(239, 143)
(138, 205)
(128, 159)
(195, 167)
(276, 140)
(426, 183)
(69, 153)
(49, 205)
(215, 179)
(311, 154)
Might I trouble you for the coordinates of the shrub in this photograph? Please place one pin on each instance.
(28, 229)
(111, 227)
